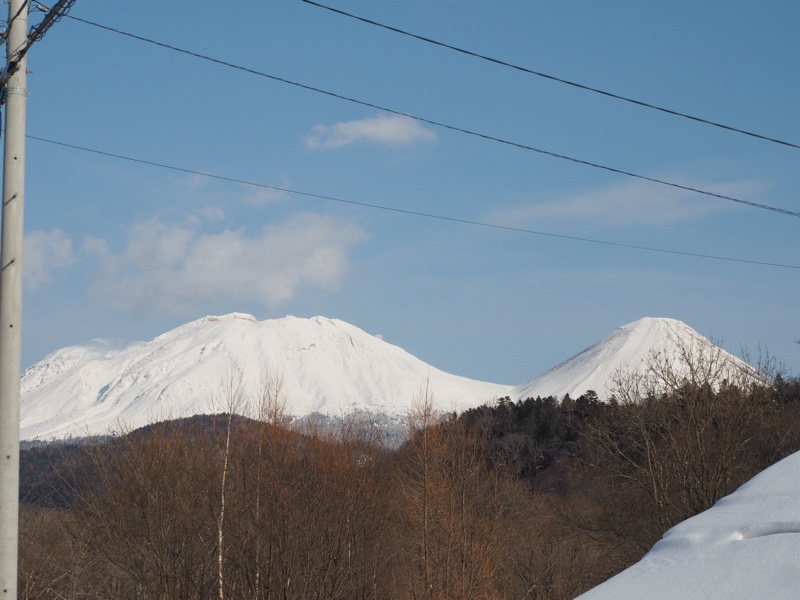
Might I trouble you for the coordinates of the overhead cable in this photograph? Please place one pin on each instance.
(53, 16)
(439, 123)
(574, 84)
(412, 212)
(35, 35)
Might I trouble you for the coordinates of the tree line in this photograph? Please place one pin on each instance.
(542, 498)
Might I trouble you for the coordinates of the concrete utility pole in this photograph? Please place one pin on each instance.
(11, 294)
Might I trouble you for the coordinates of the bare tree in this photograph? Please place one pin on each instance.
(458, 515)
(232, 398)
(680, 432)
(271, 410)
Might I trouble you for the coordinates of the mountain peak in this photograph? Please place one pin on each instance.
(228, 317)
(629, 349)
(326, 366)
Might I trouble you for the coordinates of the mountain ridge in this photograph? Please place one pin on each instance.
(326, 366)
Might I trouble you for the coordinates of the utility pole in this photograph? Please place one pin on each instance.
(11, 292)
(14, 94)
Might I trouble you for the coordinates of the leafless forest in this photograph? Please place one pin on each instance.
(540, 499)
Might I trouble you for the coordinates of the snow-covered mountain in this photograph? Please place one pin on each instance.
(746, 547)
(629, 351)
(327, 366)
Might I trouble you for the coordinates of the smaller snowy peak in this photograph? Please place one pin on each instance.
(653, 330)
(628, 350)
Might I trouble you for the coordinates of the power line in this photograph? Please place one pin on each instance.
(53, 16)
(412, 212)
(440, 123)
(574, 84)
(36, 34)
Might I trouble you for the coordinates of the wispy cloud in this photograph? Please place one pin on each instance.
(635, 203)
(175, 267)
(267, 196)
(45, 252)
(386, 130)
(210, 192)
(208, 214)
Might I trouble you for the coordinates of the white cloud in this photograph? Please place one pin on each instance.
(629, 204)
(175, 267)
(211, 214)
(45, 252)
(387, 130)
(210, 193)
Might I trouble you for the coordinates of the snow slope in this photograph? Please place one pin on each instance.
(746, 547)
(626, 350)
(328, 366)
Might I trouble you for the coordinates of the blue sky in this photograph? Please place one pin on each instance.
(121, 249)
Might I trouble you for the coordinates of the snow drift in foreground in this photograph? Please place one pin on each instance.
(629, 350)
(746, 547)
(327, 366)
